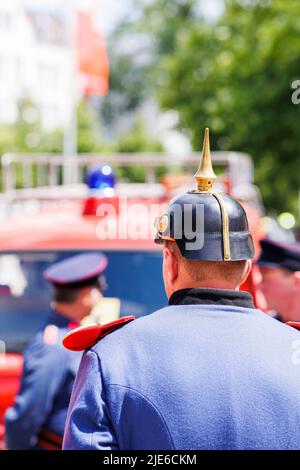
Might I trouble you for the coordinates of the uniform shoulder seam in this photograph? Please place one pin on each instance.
(148, 401)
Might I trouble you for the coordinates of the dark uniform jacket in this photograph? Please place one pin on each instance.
(37, 419)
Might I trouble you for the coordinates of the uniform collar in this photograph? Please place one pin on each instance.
(58, 319)
(197, 296)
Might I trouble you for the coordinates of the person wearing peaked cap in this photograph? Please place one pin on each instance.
(279, 265)
(209, 371)
(37, 418)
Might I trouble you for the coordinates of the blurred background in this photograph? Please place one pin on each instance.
(106, 76)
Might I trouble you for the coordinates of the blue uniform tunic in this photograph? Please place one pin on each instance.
(211, 372)
(40, 409)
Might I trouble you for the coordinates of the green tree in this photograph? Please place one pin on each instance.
(165, 20)
(27, 135)
(235, 76)
(137, 140)
(129, 81)
(7, 139)
(88, 132)
(27, 129)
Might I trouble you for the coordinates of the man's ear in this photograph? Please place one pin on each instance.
(85, 295)
(296, 276)
(171, 264)
(247, 270)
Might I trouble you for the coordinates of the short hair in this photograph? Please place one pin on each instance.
(66, 295)
(201, 270)
(209, 270)
(70, 293)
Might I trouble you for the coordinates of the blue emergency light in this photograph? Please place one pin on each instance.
(101, 178)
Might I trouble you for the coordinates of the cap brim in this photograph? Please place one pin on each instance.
(66, 276)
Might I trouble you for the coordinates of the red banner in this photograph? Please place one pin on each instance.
(93, 65)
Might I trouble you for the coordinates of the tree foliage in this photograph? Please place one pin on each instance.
(27, 135)
(235, 76)
(129, 64)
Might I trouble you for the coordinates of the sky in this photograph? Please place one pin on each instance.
(110, 12)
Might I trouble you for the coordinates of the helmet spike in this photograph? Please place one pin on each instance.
(205, 175)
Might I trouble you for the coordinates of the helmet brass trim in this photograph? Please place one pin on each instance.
(225, 227)
(205, 175)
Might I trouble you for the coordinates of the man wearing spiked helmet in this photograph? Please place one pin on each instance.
(209, 371)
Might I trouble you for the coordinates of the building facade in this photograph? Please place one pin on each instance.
(35, 63)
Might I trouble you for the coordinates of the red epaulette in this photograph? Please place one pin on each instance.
(86, 336)
(294, 324)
